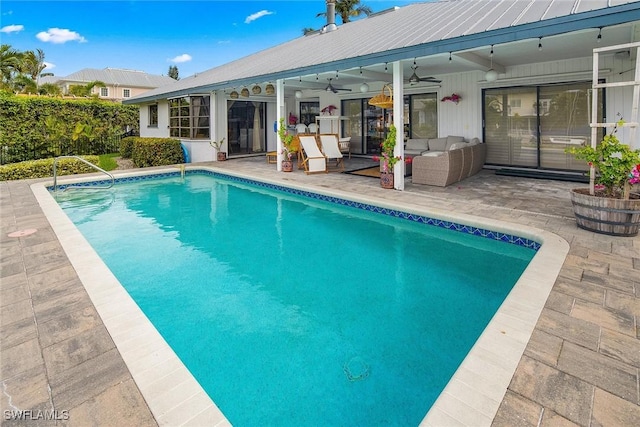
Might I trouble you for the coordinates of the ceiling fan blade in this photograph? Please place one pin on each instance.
(430, 79)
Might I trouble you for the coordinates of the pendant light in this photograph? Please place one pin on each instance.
(492, 75)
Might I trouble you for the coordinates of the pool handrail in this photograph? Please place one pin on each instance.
(55, 174)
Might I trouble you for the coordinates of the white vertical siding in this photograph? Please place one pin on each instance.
(465, 118)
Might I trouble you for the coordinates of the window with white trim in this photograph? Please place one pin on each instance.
(126, 93)
(153, 115)
(104, 91)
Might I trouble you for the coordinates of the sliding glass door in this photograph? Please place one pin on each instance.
(246, 127)
(565, 113)
(369, 124)
(531, 127)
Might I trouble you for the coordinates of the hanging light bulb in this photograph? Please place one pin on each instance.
(449, 56)
(385, 66)
(491, 75)
(599, 38)
(364, 88)
(298, 94)
(540, 44)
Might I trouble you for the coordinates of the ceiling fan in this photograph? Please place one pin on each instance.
(414, 79)
(330, 87)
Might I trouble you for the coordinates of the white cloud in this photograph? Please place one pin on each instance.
(257, 15)
(48, 66)
(59, 36)
(185, 57)
(11, 29)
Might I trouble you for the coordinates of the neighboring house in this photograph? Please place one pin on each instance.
(119, 84)
(523, 70)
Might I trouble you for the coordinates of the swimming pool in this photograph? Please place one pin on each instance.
(371, 377)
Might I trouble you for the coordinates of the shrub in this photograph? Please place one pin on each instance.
(156, 152)
(43, 168)
(126, 147)
(42, 127)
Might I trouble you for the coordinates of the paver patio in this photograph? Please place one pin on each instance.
(581, 365)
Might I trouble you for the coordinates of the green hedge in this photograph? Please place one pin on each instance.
(42, 127)
(156, 151)
(126, 147)
(43, 168)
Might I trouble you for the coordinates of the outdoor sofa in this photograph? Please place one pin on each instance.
(445, 160)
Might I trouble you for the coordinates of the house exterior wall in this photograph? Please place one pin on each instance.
(462, 119)
(465, 118)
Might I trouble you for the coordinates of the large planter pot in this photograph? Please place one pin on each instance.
(287, 166)
(615, 217)
(386, 180)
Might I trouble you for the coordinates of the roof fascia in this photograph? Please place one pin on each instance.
(613, 15)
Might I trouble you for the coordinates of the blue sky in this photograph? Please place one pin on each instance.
(151, 35)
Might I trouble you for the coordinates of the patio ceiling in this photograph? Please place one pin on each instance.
(578, 44)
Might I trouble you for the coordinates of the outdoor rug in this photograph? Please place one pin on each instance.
(373, 172)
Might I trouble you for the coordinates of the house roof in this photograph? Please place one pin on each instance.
(113, 76)
(416, 30)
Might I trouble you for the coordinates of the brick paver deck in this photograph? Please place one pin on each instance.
(581, 366)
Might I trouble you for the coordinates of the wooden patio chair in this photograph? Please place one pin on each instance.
(313, 160)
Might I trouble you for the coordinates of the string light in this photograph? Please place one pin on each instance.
(385, 66)
(449, 56)
(540, 43)
(599, 38)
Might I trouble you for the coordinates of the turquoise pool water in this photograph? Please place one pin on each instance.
(294, 311)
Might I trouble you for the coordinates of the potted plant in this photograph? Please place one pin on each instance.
(387, 159)
(608, 206)
(217, 145)
(288, 146)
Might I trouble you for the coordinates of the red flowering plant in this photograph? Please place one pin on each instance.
(386, 156)
(287, 140)
(616, 165)
(329, 109)
(293, 119)
(454, 97)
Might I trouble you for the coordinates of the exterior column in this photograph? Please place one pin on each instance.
(280, 113)
(398, 122)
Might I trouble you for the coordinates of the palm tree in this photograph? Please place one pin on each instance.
(10, 63)
(33, 63)
(351, 8)
(348, 9)
(85, 90)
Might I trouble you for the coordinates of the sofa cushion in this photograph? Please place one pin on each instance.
(474, 141)
(458, 145)
(417, 144)
(432, 153)
(453, 140)
(437, 144)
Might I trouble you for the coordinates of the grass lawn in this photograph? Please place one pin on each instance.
(108, 161)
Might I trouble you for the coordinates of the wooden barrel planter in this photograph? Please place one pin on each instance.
(604, 215)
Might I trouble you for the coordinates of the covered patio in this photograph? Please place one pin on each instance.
(580, 366)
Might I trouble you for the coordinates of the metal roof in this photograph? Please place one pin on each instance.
(415, 30)
(120, 77)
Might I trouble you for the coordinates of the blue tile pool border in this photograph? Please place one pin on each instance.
(422, 219)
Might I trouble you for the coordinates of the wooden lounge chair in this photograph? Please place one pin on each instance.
(331, 149)
(313, 160)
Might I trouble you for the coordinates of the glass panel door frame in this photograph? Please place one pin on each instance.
(531, 126)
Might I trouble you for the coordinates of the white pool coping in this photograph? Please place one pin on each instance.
(471, 398)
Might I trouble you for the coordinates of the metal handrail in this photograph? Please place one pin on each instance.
(55, 174)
